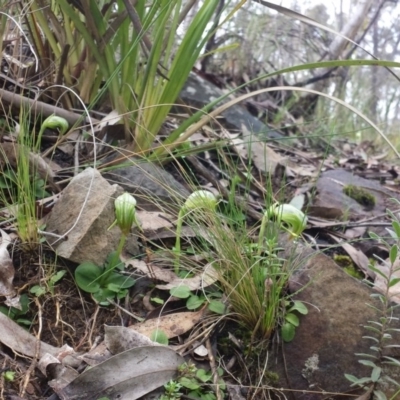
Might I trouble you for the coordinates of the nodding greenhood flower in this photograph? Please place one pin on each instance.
(291, 215)
(53, 122)
(125, 212)
(201, 199)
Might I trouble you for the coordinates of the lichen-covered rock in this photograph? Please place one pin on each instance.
(324, 347)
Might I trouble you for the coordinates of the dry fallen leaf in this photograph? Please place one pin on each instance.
(119, 339)
(357, 256)
(201, 280)
(172, 324)
(7, 272)
(21, 341)
(125, 376)
(153, 221)
(380, 283)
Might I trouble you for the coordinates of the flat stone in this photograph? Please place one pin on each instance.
(85, 223)
(199, 92)
(324, 347)
(153, 187)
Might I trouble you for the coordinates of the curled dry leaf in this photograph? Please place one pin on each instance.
(154, 221)
(380, 283)
(21, 341)
(201, 280)
(172, 325)
(357, 256)
(204, 279)
(119, 339)
(7, 272)
(126, 376)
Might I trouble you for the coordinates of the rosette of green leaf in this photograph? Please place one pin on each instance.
(198, 200)
(104, 282)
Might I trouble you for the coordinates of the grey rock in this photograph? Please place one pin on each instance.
(86, 226)
(153, 187)
(199, 92)
(328, 337)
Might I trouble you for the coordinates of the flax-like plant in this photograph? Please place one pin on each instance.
(132, 54)
(19, 190)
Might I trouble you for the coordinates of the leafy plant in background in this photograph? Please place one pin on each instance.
(192, 382)
(25, 177)
(106, 282)
(288, 328)
(199, 200)
(131, 53)
(8, 376)
(8, 182)
(195, 301)
(382, 329)
(252, 274)
(39, 290)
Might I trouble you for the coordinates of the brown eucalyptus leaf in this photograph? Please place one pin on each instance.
(358, 257)
(21, 341)
(380, 283)
(6, 268)
(126, 376)
(119, 339)
(172, 324)
(204, 279)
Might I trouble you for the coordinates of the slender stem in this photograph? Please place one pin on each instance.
(262, 234)
(114, 261)
(177, 248)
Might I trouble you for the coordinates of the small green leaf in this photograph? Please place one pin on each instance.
(378, 395)
(9, 376)
(207, 396)
(181, 292)
(288, 331)
(102, 295)
(392, 381)
(378, 271)
(157, 300)
(396, 227)
(37, 290)
(203, 375)
(392, 234)
(189, 383)
(293, 319)
(194, 302)
(217, 306)
(56, 277)
(368, 363)
(351, 378)
(23, 321)
(393, 253)
(87, 277)
(392, 361)
(299, 306)
(394, 281)
(120, 281)
(373, 235)
(376, 374)
(159, 336)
